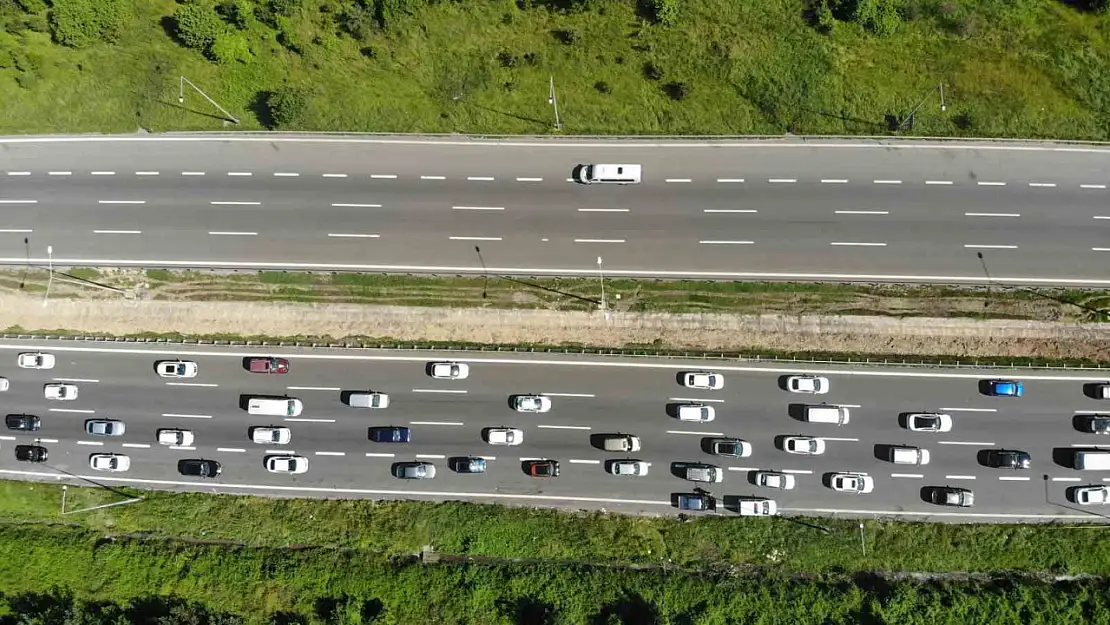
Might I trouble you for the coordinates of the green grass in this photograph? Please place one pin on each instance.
(1028, 68)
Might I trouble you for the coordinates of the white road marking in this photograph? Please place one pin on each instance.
(857, 244)
(887, 181)
(436, 423)
(240, 173)
(599, 240)
(916, 476)
(90, 381)
(19, 173)
(603, 210)
(972, 443)
(729, 210)
(568, 394)
(677, 180)
(743, 469)
(233, 203)
(478, 208)
(430, 456)
(959, 477)
(334, 176)
(7, 438)
(529, 179)
(1067, 479)
(798, 471)
(991, 247)
(474, 238)
(330, 453)
(283, 452)
(1048, 185)
(48, 440)
(285, 174)
(782, 180)
(527, 458)
(192, 173)
(992, 214)
(186, 416)
(969, 409)
(59, 173)
(834, 181)
(200, 384)
(181, 447)
(480, 178)
(228, 233)
(371, 454)
(938, 182)
(694, 399)
(352, 235)
(76, 410)
(19, 201)
(95, 443)
(117, 231)
(563, 427)
(1012, 478)
(847, 440)
(695, 433)
(488, 457)
(313, 388)
(1102, 217)
(345, 205)
(991, 184)
(103, 173)
(16, 230)
(307, 420)
(1092, 186)
(730, 180)
(850, 405)
(121, 201)
(577, 461)
(1100, 249)
(862, 212)
(716, 242)
(146, 173)
(231, 449)
(433, 177)
(458, 391)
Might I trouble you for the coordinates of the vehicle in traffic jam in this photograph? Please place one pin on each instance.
(176, 368)
(60, 391)
(703, 380)
(286, 463)
(35, 360)
(468, 464)
(390, 434)
(175, 437)
(23, 421)
(698, 502)
(928, 422)
(269, 364)
(542, 468)
(1008, 459)
(730, 447)
(774, 479)
(808, 384)
(637, 468)
(1101, 390)
(1096, 424)
(113, 463)
(415, 470)
(803, 445)
(757, 506)
(448, 370)
(105, 427)
(704, 473)
(31, 453)
(198, 467)
(373, 400)
(952, 496)
(531, 403)
(5, 384)
(854, 483)
(1091, 495)
(695, 412)
(270, 435)
(1005, 388)
(504, 436)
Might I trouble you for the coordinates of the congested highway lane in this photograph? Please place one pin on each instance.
(590, 396)
(771, 209)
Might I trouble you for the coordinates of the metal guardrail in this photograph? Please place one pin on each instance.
(590, 351)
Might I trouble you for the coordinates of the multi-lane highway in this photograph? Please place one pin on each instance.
(591, 397)
(784, 209)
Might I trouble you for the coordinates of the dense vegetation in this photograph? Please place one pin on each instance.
(1037, 68)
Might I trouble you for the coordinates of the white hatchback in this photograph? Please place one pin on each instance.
(176, 368)
(696, 412)
(35, 360)
(531, 403)
(703, 380)
(808, 384)
(448, 370)
(113, 463)
(855, 483)
(504, 436)
(928, 422)
(629, 467)
(774, 479)
(175, 437)
(1092, 495)
(803, 445)
(271, 435)
(60, 391)
(286, 464)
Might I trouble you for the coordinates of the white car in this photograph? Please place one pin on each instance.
(531, 403)
(703, 380)
(35, 360)
(4, 384)
(857, 483)
(928, 422)
(176, 368)
(774, 479)
(448, 370)
(286, 463)
(60, 391)
(175, 437)
(629, 467)
(105, 427)
(504, 436)
(271, 435)
(757, 507)
(803, 445)
(1092, 495)
(110, 462)
(696, 412)
(809, 384)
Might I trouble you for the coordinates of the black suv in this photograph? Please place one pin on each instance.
(25, 422)
(1008, 459)
(31, 453)
(197, 467)
(1096, 424)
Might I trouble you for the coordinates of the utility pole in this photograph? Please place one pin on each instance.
(181, 98)
(50, 280)
(908, 121)
(601, 272)
(553, 101)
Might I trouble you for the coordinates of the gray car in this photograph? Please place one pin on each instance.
(104, 427)
(416, 470)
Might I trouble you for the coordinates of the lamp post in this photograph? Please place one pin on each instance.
(50, 280)
(553, 101)
(601, 272)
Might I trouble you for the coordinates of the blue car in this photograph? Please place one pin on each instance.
(390, 434)
(1005, 388)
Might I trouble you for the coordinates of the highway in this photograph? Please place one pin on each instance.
(591, 396)
(775, 209)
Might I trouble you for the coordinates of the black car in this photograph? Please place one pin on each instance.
(197, 467)
(1008, 459)
(25, 422)
(31, 453)
(1096, 424)
(391, 434)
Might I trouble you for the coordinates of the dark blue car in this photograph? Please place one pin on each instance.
(1005, 388)
(390, 434)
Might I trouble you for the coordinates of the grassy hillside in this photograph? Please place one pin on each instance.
(1034, 68)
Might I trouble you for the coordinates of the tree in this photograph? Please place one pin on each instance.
(81, 23)
(665, 12)
(288, 107)
(197, 25)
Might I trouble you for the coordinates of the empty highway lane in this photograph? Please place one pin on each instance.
(591, 397)
(894, 210)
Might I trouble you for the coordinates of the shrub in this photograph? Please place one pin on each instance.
(32, 6)
(881, 17)
(287, 107)
(357, 21)
(664, 12)
(602, 87)
(390, 11)
(676, 91)
(288, 8)
(197, 25)
(81, 23)
(238, 13)
(653, 71)
(506, 59)
(535, 59)
(568, 36)
(230, 47)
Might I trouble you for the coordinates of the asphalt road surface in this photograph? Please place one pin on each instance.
(591, 396)
(905, 211)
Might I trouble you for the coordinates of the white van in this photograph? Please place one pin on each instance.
(368, 400)
(609, 174)
(1092, 460)
(622, 443)
(275, 406)
(909, 455)
(824, 413)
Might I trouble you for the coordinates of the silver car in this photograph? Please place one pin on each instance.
(104, 427)
(416, 470)
(628, 468)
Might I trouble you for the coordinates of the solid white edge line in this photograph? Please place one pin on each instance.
(992, 214)
(990, 247)
(856, 244)
(695, 433)
(577, 461)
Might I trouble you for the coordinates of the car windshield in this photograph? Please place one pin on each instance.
(180, 369)
(928, 422)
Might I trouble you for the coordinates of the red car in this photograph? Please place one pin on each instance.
(543, 468)
(268, 365)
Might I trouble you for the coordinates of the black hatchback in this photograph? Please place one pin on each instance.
(197, 467)
(31, 453)
(25, 422)
(1008, 459)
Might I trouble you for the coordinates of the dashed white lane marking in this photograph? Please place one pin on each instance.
(1100, 249)
(798, 471)
(695, 433)
(1012, 478)
(677, 180)
(972, 443)
(15, 230)
(696, 400)
(599, 240)
(353, 235)
(1047, 185)
(454, 423)
(76, 410)
(529, 179)
(232, 449)
(147, 173)
(228, 233)
(946, 182)
(730, 180)
(577, 461)
(307, 420)
(568, 394)
(528, 458)
(1066, 479)
(230, 203)
(330, 453)
(7, 438)
(48, 440)
(478, 208)
(88, 380)
(1092, 186)
(992, 214)
(96, 443)
(991, 184)
(729, 210)
(857, 244)
(59, 173)
(121, 201)
(371, 454)
(285, 174)
(743, 469)
(313, 388)
(990, 247)
(117, 231)
(333, 176)
(480, 178)
(181, 447)
(345, 205)
(488, 457)
(102, 173)
(603, 210)
(240, 173)
(431, 456)
(862, 212)
(200, 384)
(718, 242)
(192, 173)
(19, 173)
(433, 177)
(851, 405)
(457, 391)
(137, 445)
(844, 440)
(19, 201)
(970, 409)
(564, 427)
(474, 238)
(186, 416)
(1102, 217)
(279, 451)
(916, 476)
(959, 477)
(886, 181)
(782, 180)
(834, 181)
